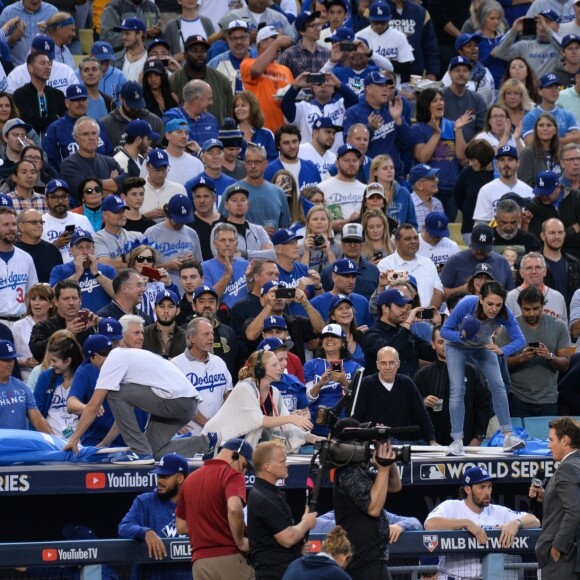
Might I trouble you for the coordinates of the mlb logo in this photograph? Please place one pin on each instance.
(431, 542)
(432, 471)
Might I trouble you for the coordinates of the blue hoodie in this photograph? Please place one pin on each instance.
(315, 567)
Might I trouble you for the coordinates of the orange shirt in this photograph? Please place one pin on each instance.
(264, 87)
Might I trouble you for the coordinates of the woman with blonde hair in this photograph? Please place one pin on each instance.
(318, 247)
(514, 98)
(378, 243)
(287, 183)
(256, 411)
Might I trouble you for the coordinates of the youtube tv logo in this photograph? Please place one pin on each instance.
(49, 555)
(95, 480)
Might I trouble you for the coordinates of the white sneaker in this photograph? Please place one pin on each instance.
(511, 443)
(456, 448)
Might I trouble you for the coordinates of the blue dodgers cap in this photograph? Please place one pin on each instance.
(284, 236)
(80, 235)
(203, 181)
(140, 128)
(459, 61)
(268, 286)
(483, 269)
(275, 322)
(482, 238)
(413, 281)
(171, 464)
(549, 80)
(546, 183)
(422, 171)
(132, 93)
(176, 125)
(325, 123)
(7, 350)
(96, 343)
(393, 296)
(204, 290)
(333, 330)
(342, 34)
(180, 209)
(339, 299)
(55, 184)
(507, 151)
(437, 224)
(166, 295)
(464, 39)
(43, 43)
(76, 92)
(376, 78)
(111, 328)
(475, 475)
(242, 447)
(103, 51)
(273, 343)
(569, 39)
(158, 42)
(210, 144)
(470, 325)
(157, 158)
(113, 203)
(345, 267)
(379, 12)
(549, 15)
(347, 148)
(303, 18)
(131, 23)
(6, 200)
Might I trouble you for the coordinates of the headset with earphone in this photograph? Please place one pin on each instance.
(236, 454)
(259, 370)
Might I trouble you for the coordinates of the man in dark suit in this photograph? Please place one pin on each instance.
(556, 549)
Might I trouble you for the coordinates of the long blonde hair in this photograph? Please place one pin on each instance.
(376, 162)
(527, 104)
(368, 248)
(248, 371)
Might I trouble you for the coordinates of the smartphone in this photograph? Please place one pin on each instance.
(534, 344)
(529, 27)
(286, 293)
(83, 316)
(336, 366)
(426, 314)
(316, 79)
(378, 254)
(151, 273)
(348, 46)
(70, 228)
(398, 276)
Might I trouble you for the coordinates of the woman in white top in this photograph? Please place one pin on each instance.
(497, 130)
(318, 248)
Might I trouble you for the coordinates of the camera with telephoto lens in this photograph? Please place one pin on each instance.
(319, 240)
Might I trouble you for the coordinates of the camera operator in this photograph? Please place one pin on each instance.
(358, 506)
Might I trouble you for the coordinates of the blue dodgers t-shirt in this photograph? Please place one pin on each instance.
(16, 399)
(359, 303)
(237, 287)
(308, 175)
(291, 280)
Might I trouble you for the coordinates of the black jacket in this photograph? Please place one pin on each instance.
(152, 341)
(573, 277)
(26, 99)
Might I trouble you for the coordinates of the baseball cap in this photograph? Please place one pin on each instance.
(96, 343)
(140, 128)
(507, 151)
(374, 189)
(158, 42)
(422, 171)
(464, 39)
(111, 328)
(113, 203)
(379, 12)
(6, 200)
(155, 65)
(238, 25)
(7, 350)
(284, 236)
(345, 267)
(329, 3)
(268, 286)
(157, 158)
(203, 181)
(376, 78)
(43, 43)
(436, 224)
(325, 123)
(265, 33)
(166, 295)
(459, 61)
(549, 15)
(274, 343)
(13, 124)
(204, 290)
(333, 330)
(393, 296)
(242, 447)
(475, 475)
(546, 183)
(171, 464)
(342, 34)
(347, 148)
(274, 322)
(550, 79)
(236, 189)
(131, 23)
(196, 39)
(303, 18)
(103, 50)
(338, 299)
(569, 39)
(470, 325)
(180, 209)
(54, 184)
(482, 238)
(176, 125)
(353, 232)
(483, 269)
(76, 92)
(80, 235)
(132, 93)
(210, 144)
(523, 202)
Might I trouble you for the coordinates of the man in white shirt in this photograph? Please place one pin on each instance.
(182, 165)
(490, 194)
(319, 150)
(133, 57)
(434, 241)
(406, 259)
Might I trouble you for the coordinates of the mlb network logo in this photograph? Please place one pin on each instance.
(49, 555)
(95, 480)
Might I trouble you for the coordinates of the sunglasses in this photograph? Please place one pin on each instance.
(142, 259)
(96, 189)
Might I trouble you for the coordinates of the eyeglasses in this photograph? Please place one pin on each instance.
(251, 162)
(142, 259)
(33, 159)
(314, 25)
(90, 190)
(57, 197)
(34, 222)
(571, 159)
(240, 38)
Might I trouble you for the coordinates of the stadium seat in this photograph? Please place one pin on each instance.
(455, 233)
(517, 422)
(538, 426)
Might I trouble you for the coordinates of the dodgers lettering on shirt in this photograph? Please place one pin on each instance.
(208, 382)
(169, 249)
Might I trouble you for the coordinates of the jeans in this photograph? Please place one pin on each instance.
(488, 364)
(519, 408)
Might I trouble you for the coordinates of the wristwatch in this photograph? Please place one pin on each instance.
(98, 273)
(551, 356)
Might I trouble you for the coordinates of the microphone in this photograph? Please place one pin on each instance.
(538, 479)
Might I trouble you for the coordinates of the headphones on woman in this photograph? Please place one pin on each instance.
(259, 370)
